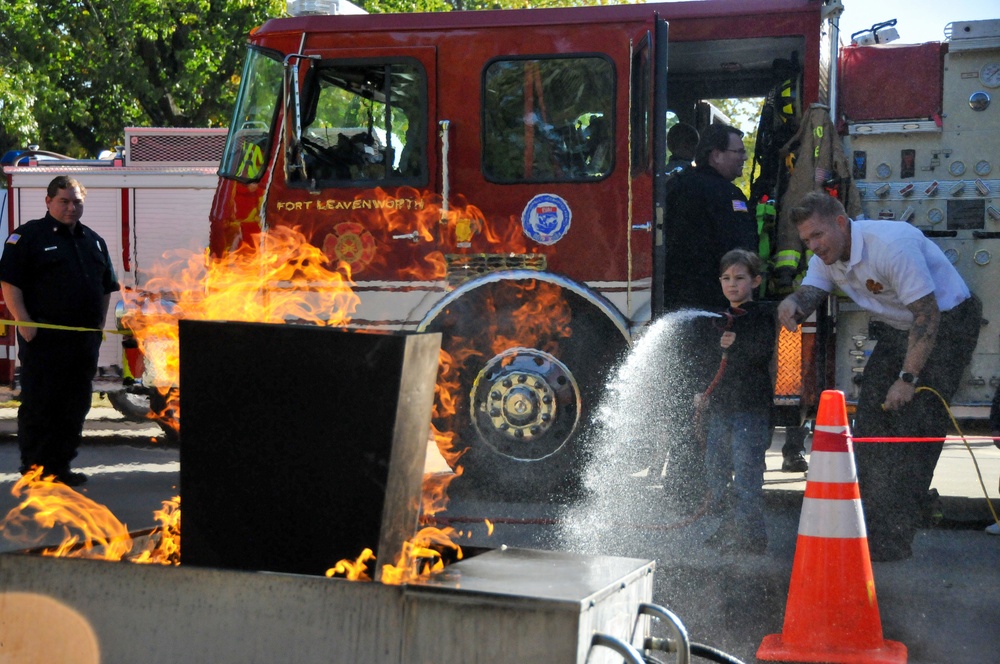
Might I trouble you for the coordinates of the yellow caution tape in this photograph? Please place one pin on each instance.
(52, 326)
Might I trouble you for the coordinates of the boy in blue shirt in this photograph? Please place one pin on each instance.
(738, 406)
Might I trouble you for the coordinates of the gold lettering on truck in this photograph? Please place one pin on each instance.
(355, 204)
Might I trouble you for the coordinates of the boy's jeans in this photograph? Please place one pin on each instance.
(736, 444)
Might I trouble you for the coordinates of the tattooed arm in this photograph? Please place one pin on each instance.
(923, 335)
(799, 305)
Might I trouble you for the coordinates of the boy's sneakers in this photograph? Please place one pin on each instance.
(993, 529)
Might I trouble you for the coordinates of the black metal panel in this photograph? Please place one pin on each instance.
(300, 445)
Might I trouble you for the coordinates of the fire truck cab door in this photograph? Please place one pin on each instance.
(365, 192)
(646, 136)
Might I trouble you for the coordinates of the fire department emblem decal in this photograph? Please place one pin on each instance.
(546, 218)
(351, 243)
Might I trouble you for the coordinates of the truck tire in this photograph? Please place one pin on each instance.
(525, 358)
(133, 406)
(136, 406)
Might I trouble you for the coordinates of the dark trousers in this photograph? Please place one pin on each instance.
(57, 370)
(894, 477)
(795, 441)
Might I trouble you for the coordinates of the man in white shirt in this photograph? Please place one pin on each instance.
(926, 325)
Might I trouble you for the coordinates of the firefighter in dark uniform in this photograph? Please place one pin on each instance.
(706, 216)
(57, 271)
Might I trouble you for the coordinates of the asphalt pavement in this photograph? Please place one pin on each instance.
(941, 603)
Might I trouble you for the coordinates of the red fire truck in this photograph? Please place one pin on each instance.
(498, 177)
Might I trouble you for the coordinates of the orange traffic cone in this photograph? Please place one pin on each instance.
(832, 612)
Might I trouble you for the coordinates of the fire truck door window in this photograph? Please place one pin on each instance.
(249, 140)
(548, 119)
(641, 110)
(365, 123)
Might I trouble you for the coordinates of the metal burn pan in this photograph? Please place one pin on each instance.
(511, 606)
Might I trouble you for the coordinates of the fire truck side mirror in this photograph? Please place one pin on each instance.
(295, 165)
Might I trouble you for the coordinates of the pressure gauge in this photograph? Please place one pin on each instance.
(982, 257)
(935, 215)
(989, 75)
(983, 167)
(951, 253)
(957, 168)
(979, 101)
(883, 170)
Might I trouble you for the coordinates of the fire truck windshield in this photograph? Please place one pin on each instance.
(249, 141)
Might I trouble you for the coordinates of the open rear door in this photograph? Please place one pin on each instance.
(659, 139)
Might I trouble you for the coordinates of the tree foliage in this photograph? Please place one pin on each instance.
(407, 6)
(74, 73)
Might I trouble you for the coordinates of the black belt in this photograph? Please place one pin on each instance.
(962, 307)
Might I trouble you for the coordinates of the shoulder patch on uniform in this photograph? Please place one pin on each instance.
(739, 206)
(13, 238)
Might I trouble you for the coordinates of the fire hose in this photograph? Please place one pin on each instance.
(678, 641)
(720, 372)
(932, 439)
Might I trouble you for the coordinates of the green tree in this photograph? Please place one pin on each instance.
(74, 73)
(407, 6)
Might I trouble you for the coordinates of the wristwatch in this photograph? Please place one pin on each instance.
(907, 377)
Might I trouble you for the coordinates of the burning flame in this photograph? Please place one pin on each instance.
(89, 529)
(281, 278)
(422, 555)
(528, 313)
(409, 220)
(353, 570)
(165, 542)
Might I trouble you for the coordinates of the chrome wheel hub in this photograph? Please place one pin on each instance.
(525, 404)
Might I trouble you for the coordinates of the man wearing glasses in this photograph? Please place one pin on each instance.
(706, 215)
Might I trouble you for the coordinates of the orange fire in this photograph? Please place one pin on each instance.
(409, 233)
(280, 279)
(528, 313)
(542, 319)
(422, 554)
(280, 276)
(353, 570)
(89, 529)
(164, 543)
(448, 383)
